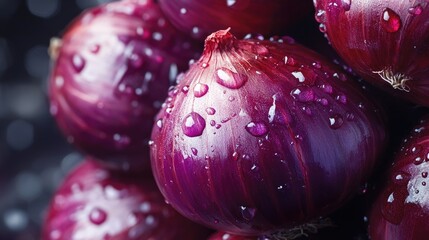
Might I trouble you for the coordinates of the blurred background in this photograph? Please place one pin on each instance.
(34, 156)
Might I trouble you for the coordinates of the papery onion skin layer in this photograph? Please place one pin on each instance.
(113, 68)
(93, 203)
(277, 136)
(268, 17)
(384, 41)
(402, 207)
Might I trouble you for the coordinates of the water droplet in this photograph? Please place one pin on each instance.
(136, 60)
(418, 160)
(212, 123)
(78, 63)
(299, 76)
(194, 151)
(159, 123)
(322, 28)
(248, 213)
(416, 10)
(235, 156)
(200, 89)
(303, 94)
(257, 129)
(327, 88)
(183, 11)
(424, 174)
(95, 48)
(336, 121)
(185, 89)
(323, 101)
(230, 79)
(59, 81)
(97, 216)
(320, 16)
(121, 140)
(193, 125)
(346, 4)
(229, 3)
(317, 65)
(210, 111)
(231, 98)
(204, 65)
(390, 20)
(341, 98)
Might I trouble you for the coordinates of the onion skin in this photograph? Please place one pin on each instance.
(268, 17)
(113, 69)
(401, 209)
(93, 203)
(273, 152)
(384, 41)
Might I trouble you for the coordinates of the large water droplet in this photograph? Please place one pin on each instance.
(200, 89)
(257, 129)
(336, 121)
(230, 79)
(193, 125)
(303, 94)
(97, 216)
(78, 63)
(390, 20)
(248, 213)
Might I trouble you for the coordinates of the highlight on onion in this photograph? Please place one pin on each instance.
(111, 72)
(384, 41)
(93, 203)
(402, 207)
(268, 133)
(268, 17)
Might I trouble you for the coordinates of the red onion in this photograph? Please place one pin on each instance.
(93, 203)
(385, 41)
(269, 17)
(114, 66)
(263, 135)
(402, 209)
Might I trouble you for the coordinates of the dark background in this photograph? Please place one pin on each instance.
(34, 156)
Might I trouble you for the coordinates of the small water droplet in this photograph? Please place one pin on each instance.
(193, 125)
(320, 16)
(200, 89)
(418, 160)
(121, 140)
(327, 88)
(194, 151)
(229, 3)
(97, 216)
(204, 65)
(183, 11)
(303, 94)
(159, 123)
(95, 48)
(336, 121)
(231, 98)
(230, 79)
(210, 111)
(78, 63)
(416, 10)
(322, 28)
(342, 98)
(424, 174)
(390, 20)
(235, 156)
(257, 129)
(185, 89)
(299, 76)
(317, 65)
(248, 213)
(136, 60)
(212, 123)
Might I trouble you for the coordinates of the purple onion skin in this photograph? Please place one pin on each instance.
(268, 17)
(259, 150)
(113, 71)
(384, 41)
(93, 203)
(402, 207)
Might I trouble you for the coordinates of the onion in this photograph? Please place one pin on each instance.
(93, 203)
(113, 69)
(402, 207)
(384, 41)
(263, 135)
(269, 17)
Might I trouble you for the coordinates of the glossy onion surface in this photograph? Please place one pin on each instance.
(113, 70)
(385, 41)
(93, 204)
(269, 17)
(262, 135)
(402, 209)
